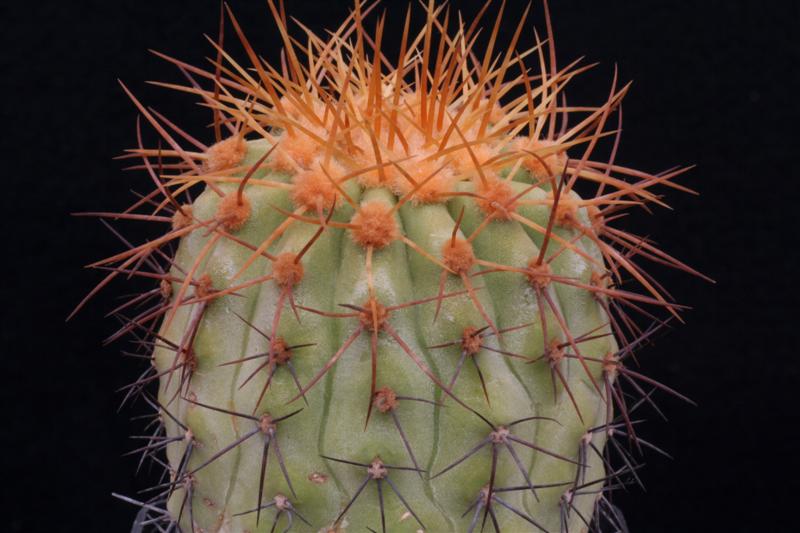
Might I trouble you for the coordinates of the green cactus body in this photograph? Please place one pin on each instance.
(437, 429)
(388, 307)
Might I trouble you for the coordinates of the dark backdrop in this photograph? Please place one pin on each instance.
(715, 84)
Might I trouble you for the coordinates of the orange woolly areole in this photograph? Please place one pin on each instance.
(566, 211)
(233, 211)
(385, 400)
(165, 288)
(496, 198)
(554, 352)
(204, 286)
(375, 170)
(369, 318)
(539, 275)
(225, 154)
(287, 270)
(539, 158)
(611, 365)
(182, 217)
(374, 225)
(314, 189)
(424, 176)
(599, 279)
(432, 181)
(266, 424)
(280, 351)
(484, 154)
(458, 256)
(470, 341)
(295, 152)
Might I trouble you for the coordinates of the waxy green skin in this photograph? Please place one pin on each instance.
(332, 422)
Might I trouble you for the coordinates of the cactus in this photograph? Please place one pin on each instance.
(381, 302)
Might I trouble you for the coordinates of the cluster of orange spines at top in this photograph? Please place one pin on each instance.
(339, 116)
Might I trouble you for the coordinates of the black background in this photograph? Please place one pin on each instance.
(715, 84)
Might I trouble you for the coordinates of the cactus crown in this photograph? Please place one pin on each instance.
(408, 180)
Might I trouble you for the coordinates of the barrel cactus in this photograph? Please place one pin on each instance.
(388, 296)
